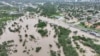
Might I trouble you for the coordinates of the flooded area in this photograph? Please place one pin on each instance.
(30, 46)
(24, 45)
(49, 28)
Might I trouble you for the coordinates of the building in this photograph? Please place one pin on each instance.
(88, 24)
(98, 27)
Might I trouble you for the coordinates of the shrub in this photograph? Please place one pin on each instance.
(32, 37)
(52, 53)
(38, 49)
(1, 32)
(82, 51)
(41, 24)
(58, 45)
(14, 30)
(24, 42)
(26, 35)
(15, 51)
(42, 32)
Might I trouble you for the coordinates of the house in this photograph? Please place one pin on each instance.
(89, 24)
(98, 27)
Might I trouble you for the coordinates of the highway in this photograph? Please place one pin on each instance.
(65, 25)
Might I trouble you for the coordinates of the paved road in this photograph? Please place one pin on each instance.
(65, 25)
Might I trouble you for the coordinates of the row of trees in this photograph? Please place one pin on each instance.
(48, 9)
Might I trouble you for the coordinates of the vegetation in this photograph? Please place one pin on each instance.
(14, 30)
(77, 45)
(52, 53)
(3, 49)
(30, 9)
(32, 37)
(42, 32)
(38, 49)
(48, 9)
(24, 43)
(58, 45)
(88, 42)
(82, 50)
(65, 42)
(96, 24)
(82, 24)
(4, 17)
(93, 46)
(15, 51)
(41, 24)
(89, 18)
(1, 32)
(10, 41)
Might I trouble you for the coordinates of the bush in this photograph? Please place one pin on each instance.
(42, 32)
(32, 37)
(52, 53)
(24, 43)
(77, 45)
(14, 30)
(1, 32)
(38, 49)
(58, 45)
(82, 50)
(41, 24)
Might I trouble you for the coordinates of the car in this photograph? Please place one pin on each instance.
(92, 33)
